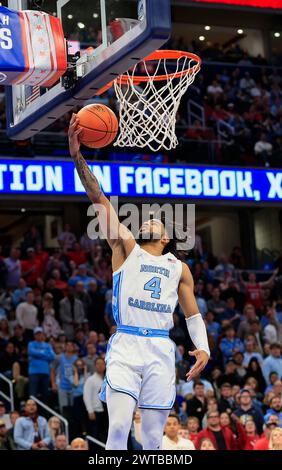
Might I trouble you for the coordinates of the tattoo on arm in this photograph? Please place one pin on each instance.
(89, 181)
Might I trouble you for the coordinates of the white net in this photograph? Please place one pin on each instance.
(148, 108)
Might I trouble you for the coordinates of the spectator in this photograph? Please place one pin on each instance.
(71, 314)
(256, 331)
(275, 409)
(4, 416)
(94, 406)
(14, 415)
(214, 90)
(61, 376)
(19, 295)
(61, 442)
(81, 276)
(31, 268)
(80, 340)
(254, 289)
(275, 441)
(18, 339)
(251, 437)
(193, 426)
(9, 362)
(13, 265)
(226, 401)
(222, 438)
(79, 414)
(224, 267)
(273, 363)
(206, 444)
(77, 255)
(6, 441)
(215, 304)
(188, 387)
(50, 325)
(54, 428)
(247, 409)
(250, 352)
(171, 439)
(66, 239)
(59, 283)
(249, 314)
(273, 377)
(78, 444)
(213, 327)
(31, 431)
(254, 370)
(197, 405)
(231, 314)
(90, 358)
(26, 314)
(263, 442)
(247, 83)
(40, 356)
(229, 345)
(272, 332)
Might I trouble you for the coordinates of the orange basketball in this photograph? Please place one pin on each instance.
(99, 124)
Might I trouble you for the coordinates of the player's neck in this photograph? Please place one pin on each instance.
(153, 248)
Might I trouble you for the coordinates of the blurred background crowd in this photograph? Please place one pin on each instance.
(55, 323)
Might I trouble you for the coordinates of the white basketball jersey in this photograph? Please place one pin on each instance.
(145, 290)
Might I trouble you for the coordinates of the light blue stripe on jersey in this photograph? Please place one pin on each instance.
(119, 297)
(141, 331)
(116, 297)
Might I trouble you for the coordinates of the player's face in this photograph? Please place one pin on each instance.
(152, 230)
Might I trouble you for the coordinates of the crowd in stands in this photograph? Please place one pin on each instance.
(55, 323)
(244, 98)
(249, 102)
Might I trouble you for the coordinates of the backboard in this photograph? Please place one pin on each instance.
(104, 39)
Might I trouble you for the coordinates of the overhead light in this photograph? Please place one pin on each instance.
(23, 210)
(202, 38)
(240, 31)
(277, 35)
(207, 28)
(70, 17)
(81, 25)
(95, 15)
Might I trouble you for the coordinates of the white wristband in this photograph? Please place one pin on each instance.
(198, 333)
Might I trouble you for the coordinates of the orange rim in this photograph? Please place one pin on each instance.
(158, 55)
(165, 54)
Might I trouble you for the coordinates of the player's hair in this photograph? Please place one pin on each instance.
(172, 228)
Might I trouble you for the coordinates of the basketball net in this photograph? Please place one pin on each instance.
(148, 103)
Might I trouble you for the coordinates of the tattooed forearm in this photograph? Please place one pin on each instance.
(89, 181)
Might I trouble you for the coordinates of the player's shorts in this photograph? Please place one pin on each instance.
(143, 367)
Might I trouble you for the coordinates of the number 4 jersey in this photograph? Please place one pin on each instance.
(145, 290)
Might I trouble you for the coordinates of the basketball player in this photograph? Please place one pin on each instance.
(147, 283)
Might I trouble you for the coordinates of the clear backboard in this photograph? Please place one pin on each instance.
(104, 39)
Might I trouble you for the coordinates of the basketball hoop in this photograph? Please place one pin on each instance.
(148, 107)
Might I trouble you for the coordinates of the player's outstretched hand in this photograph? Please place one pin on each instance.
(74, 131)
(201, 362)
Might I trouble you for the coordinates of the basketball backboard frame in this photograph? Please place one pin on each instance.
(107, 62)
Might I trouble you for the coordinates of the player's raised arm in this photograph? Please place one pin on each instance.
(116, 233)
(195, 323)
